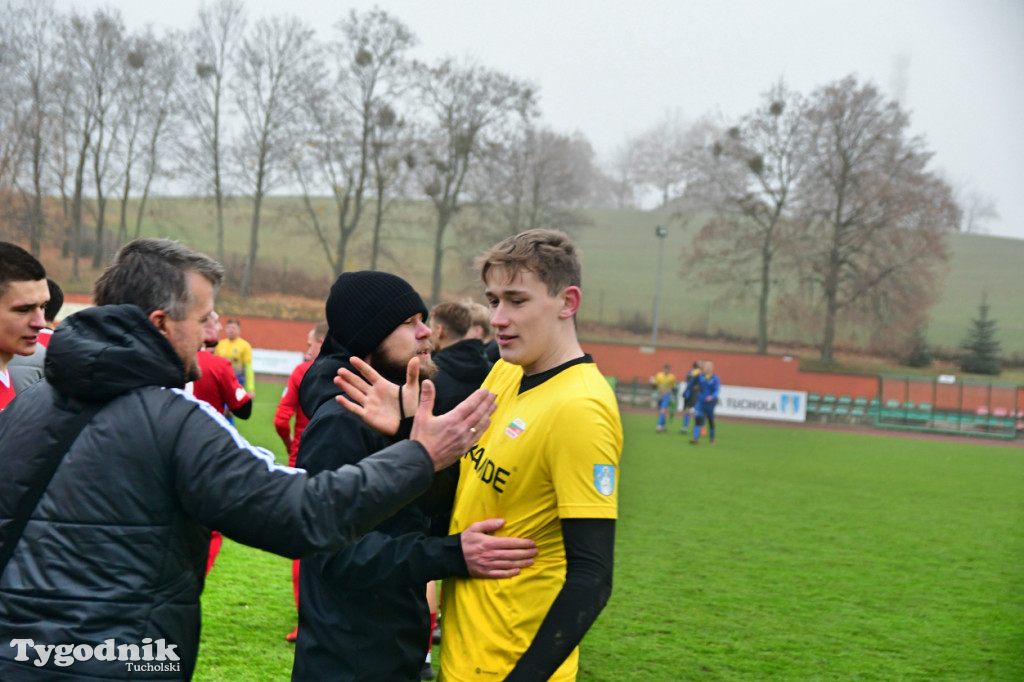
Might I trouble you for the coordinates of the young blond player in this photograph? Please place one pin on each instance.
(548, 465)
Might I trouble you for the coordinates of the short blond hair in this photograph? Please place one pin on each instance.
(548, 254)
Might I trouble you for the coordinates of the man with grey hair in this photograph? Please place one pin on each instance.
(106, 503)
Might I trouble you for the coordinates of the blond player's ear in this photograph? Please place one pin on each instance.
(571, 298)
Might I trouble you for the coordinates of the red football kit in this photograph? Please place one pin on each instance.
(6, 389)
(218, 386)
(289, 406)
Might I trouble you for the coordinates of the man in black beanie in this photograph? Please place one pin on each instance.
(362, 612)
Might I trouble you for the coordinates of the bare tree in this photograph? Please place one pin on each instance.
(63, 146)
(36, 63)
(111, 59)
(659, 155)
(352, 119)
(535, 178)
(134, 103)
(748, 177)
(467, 105)
(277, 66)
(10, 138)
(624, 174)
(212, 46)
(391, 144)
(92, 48)
(11, 108)
(978, 209)
(875, 217)
(160, 120)
(151, 71)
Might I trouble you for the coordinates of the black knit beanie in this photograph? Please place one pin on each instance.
(365, 307)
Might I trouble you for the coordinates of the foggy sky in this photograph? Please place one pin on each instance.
(612, 68)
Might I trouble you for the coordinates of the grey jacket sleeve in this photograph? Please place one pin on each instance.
(229, 485)
(26, 370)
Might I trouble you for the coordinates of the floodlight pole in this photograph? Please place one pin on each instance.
(660, 232)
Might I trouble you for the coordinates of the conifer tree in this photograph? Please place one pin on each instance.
(981, 350)
(920, 354)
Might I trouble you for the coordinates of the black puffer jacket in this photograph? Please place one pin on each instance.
(116, 548)
(362, 611)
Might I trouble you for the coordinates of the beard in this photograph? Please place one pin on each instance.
(394, 369)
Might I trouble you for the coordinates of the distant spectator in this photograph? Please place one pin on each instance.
(691, 393)
(239, 353)
(664, 385)
(709, 386)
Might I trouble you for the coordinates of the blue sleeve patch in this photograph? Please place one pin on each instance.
(604, 479)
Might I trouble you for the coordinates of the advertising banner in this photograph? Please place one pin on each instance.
(274, 361)
(762, 403)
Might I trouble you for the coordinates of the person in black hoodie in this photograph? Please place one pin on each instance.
(461, 363)
(112, 557)
(362, 611)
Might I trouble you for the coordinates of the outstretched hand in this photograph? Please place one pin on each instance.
(490, 556)
(374, 399)
(449, 436)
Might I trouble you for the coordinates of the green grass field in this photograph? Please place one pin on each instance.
(779, 553)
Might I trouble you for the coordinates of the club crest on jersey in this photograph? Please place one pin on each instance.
(516, 427)
(604, 479)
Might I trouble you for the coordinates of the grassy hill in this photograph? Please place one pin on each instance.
(620, 266)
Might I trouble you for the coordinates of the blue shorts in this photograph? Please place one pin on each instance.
(664, 401)
(705, 408)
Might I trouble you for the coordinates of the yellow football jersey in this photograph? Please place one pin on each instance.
(551, 452)
(663, 383)
(239, 353)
